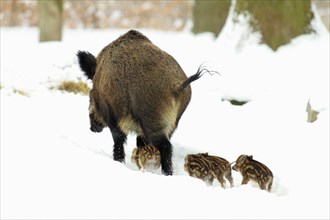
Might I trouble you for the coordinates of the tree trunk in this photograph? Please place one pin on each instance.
(13, 15)
(210, 15)
(278, 21)
(50, 20)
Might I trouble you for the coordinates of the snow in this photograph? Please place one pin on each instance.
(53, 166)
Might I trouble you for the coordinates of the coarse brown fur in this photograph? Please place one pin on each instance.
(207, 167)
(254, 170)
(137, 87)
(143, 156)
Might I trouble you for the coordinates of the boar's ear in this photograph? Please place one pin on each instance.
(251, 157)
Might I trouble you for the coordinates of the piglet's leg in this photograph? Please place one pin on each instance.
(229, 177)
(262, 184)
(221, 180)
(245, 180)
(141, 163)
(269, 187)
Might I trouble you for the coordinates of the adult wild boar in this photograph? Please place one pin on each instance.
(137, 87)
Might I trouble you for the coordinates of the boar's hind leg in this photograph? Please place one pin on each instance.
(140, 141)
(165, 148)
(119, 139)
(157, 132)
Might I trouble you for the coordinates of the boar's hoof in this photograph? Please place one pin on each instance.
(95, 128)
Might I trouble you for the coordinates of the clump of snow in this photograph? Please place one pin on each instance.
(52, 166)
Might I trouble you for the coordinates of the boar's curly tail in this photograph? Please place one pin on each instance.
(201, 70)
(87, 63)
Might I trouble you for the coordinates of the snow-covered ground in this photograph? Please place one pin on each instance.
(53, 166)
